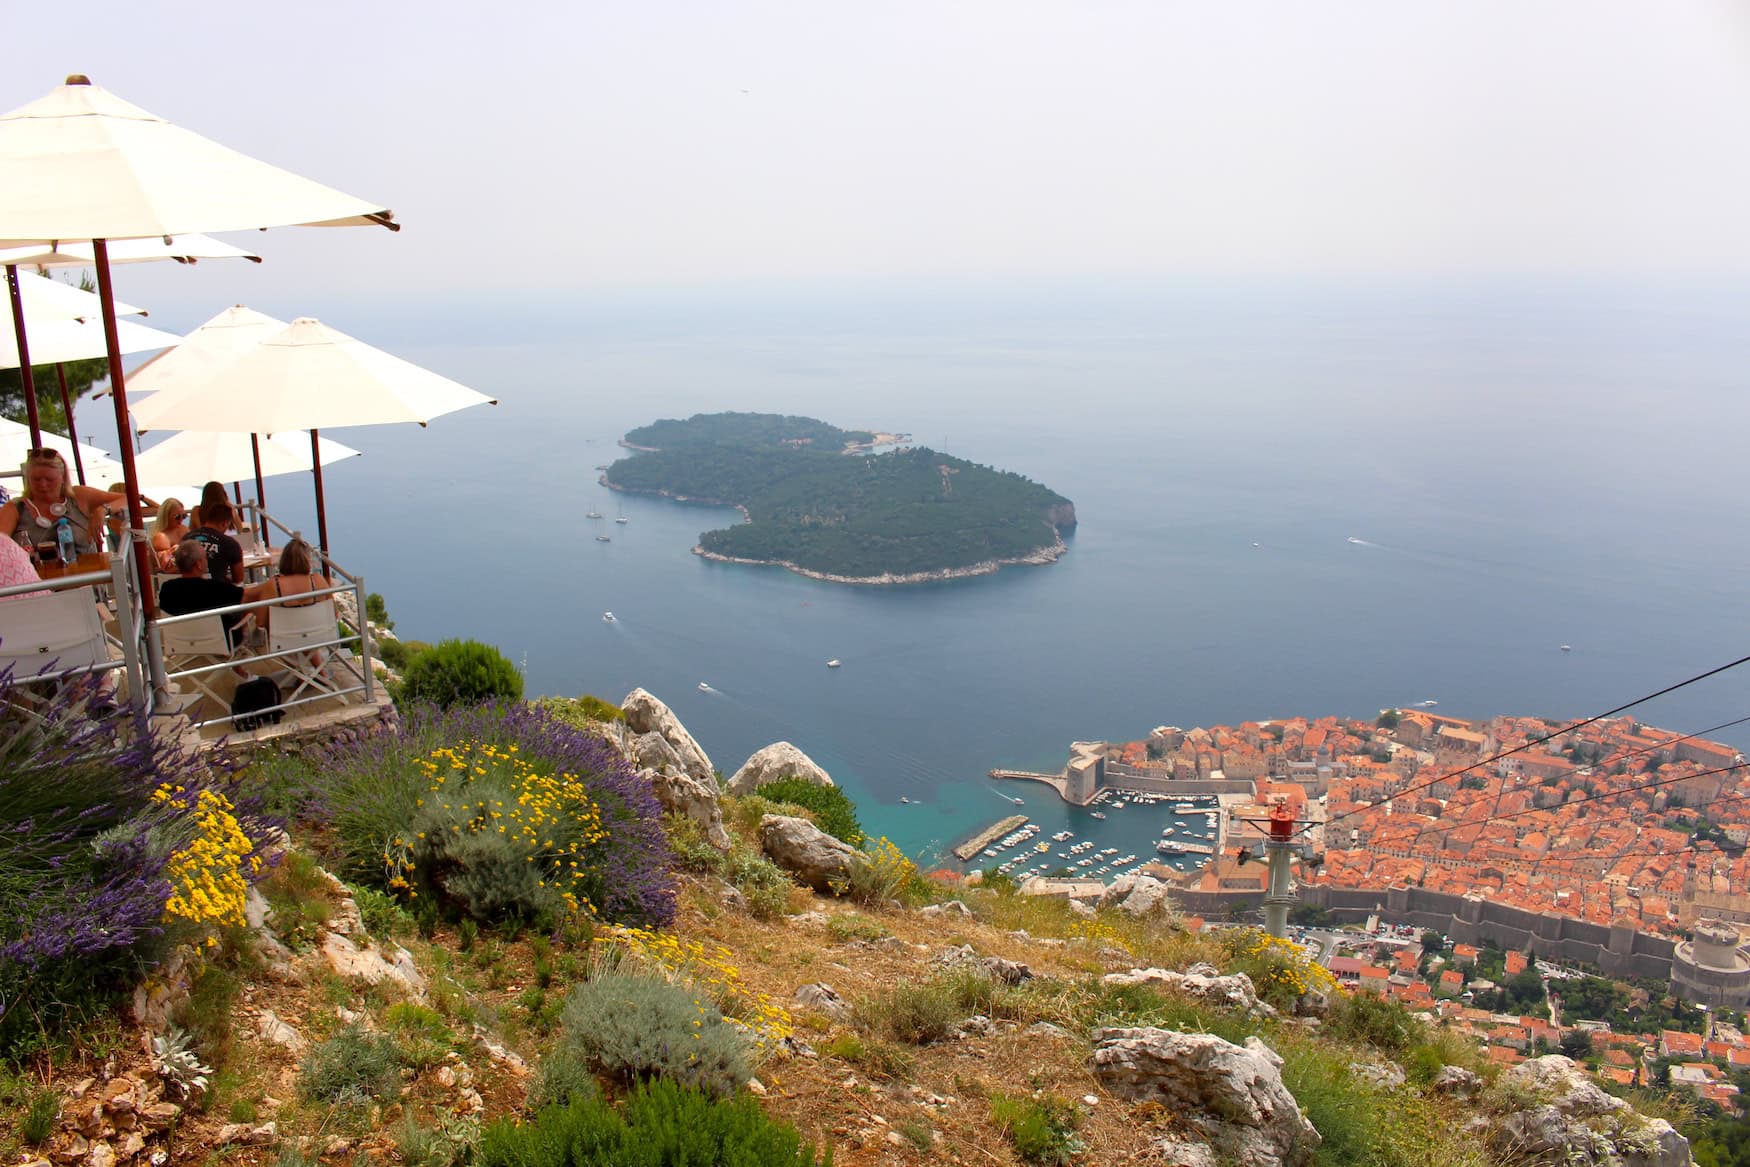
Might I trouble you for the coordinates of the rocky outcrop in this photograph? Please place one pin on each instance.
(1578, 1123)
(1233, 1095)
(777, 761)
(645, 714)
(1146, 895)
(807, 852)
(823, 999)
(1200, 983)
(680, 773)
(686, 796)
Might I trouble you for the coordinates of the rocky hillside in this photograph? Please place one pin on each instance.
(887, 1017)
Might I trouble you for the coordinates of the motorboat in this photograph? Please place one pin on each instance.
(603, 539)
(834, 663)
(904, 799)
(609, 617)
(704, 687)
(1567, 648)
(1098, 814)
(1428, 704)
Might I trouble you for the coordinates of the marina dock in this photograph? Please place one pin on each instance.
(965, 851)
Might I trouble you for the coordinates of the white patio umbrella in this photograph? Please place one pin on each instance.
(181, 248)
(82, 164)
(77, 340)
(308, 376)
(202, 352)
(209, 456)
(35, 297)
(16, 442)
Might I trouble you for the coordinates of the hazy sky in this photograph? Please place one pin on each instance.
(596, 145)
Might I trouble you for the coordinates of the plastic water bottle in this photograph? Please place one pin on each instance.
(64, 541)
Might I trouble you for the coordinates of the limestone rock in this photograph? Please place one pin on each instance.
(1379, 1075)
(651, 751)
(680, 793)
(806, 851)
(272, 1029)
(1177, 1152)
(645, 714)
(1227, 992)
(1581, 1124)
(245, 1135)
(1457, 1081)
(823, 999)
(776, 761)
(949, 908)
(102, 1155)
(371, 965)
(1009, 972)
(1233, 1095)
(1146, 895)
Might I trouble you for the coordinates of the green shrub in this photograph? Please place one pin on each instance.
(351, 1067)
(631, 1026)
(499, 814)
(422, 1037)
(693, 849)
(38, 1122)
(662, 1125)
(447, 1143)
(1372, 1019)
(831, 809)
(585, 712)
(763, 884)
(564, 1076)
(298, 894)
(1042, 1130)
(882, 874)
(461, 672)
(383, 917)
(929, 1011)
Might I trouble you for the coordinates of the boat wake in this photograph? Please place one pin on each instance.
(1362, 542)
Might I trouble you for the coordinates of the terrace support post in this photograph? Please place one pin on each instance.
(24, 375)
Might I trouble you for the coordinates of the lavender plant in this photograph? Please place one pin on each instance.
(498, 811)
(101, 825)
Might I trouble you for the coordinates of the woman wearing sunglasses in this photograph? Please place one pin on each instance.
(30, 520)
(167, 530)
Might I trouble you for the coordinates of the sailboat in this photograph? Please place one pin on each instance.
(621, 517)
(592, 513)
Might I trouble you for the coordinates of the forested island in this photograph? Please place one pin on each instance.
(818, 502)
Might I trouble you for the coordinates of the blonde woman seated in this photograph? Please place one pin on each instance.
(296, 577)
(169, 528)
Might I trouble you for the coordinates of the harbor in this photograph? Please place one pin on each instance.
(983, 839)
(1117, 832)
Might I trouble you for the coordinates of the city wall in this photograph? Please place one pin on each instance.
(1618, 951)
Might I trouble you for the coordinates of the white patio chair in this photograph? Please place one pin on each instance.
(299, 628)
(199, 642)
(51, 634)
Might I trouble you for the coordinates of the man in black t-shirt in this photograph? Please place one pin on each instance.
(224, 554)
(193, 591)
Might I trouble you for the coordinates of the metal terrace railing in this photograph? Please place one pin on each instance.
(340, 674)
(66, 632)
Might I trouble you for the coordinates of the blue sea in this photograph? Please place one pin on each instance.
(1294, 499)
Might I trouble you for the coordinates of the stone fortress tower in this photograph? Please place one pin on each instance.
(1712, 969)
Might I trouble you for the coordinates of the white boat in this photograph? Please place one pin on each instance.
(1567, 648)
(704, 687)
(833, 663)
(1428, 704)
(1099, 814)
(904, 799)
(1018, 801)
(1168, 847)
(609, 617)
(603, 539)
(1184, 808)
(592, 513)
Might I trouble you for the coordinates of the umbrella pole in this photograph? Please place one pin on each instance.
(321, 503)
(260, 493)
(24, 375)
(72, 430)
(124, 429)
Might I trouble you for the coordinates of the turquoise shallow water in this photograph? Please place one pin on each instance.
(1292, 501)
